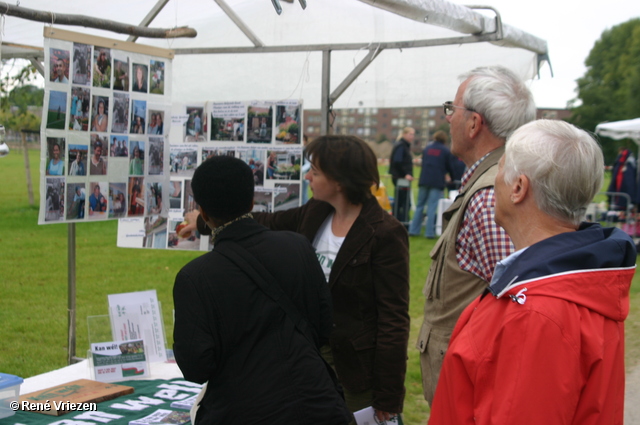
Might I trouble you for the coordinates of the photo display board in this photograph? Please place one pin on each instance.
(105, 146)
(265, 134)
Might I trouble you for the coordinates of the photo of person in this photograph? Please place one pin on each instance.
(76, 199)
(121, 75)
(57, 111)
(255, 159)
(191, 243)
(154, 198)
(136, 196)
(101, 67)
(136, 159)
(156, 122)
(120, 114)
(260, 126)
(97, 200)
(283, 165)
(155, 229)
(97, 163)
(140, 73)
(286, 196)
(77, 160)
(54, 209)
(59, 66)
(227, 129)
(288, 124)
(138, 114)
(81, 64)
(117, 200)
(183, 161)
(175, 194)
(156, 155)
(78, 118)
(262, 200)
(195, 125)
(99, 117)
(55, 156)
(157, 77)
(118, 146)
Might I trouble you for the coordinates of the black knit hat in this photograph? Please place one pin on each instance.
(223, 186)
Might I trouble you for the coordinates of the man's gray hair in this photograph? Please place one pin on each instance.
(563, 163)
(501, 97)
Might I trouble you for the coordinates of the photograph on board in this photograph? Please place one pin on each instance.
(59, 66)
(81, 64)
(78, 155)
(121, 74)
(117, 200)
(139, 82)
(157, 77)
(98, 162)
(255, 159)
(54, 199)
(288, 124)
(136, 158)
(156, 155)
(138, 116)
(262, 200)
(283, 165)
(154, 198)
(57, 111)
(55, 156)
(286, 196)
(175, 194)
(79, 109)
(155, 232)
(259, 124)
(195, 124)
(76, 201)
(156, 122)
(98, 200)
(101, 67)
(118, 146)
(136, 196)
(120, 114)
(99, 113)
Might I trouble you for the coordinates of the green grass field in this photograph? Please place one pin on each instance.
(33, 287)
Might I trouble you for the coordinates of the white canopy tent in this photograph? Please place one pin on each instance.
(330, 54)
(618, 130)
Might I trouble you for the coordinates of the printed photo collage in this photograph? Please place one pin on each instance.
(105, 150)
(276, 165)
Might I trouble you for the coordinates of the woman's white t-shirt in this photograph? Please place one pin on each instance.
(327, 246)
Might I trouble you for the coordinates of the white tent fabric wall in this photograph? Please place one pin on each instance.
(396, 78)
(620, 129)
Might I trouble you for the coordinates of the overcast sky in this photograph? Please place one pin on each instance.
(570, 27)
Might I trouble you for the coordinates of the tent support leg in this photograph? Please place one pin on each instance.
(326, 104)
(71, 264)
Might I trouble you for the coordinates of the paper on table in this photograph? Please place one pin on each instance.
(367, 416)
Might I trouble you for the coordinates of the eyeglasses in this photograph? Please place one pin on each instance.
(449, 108)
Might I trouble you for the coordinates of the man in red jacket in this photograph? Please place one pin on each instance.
(544, 344)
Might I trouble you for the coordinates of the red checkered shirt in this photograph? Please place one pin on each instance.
(481, 243)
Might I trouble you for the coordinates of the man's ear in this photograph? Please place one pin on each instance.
(520, 189)
(476, 123)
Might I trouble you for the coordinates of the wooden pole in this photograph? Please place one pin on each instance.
(27, 168)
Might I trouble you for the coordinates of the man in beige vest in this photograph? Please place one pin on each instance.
(491, 103)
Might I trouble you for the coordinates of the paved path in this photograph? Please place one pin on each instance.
(632, 398)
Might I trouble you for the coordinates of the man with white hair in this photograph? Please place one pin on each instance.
(545, 342)
(491, 103)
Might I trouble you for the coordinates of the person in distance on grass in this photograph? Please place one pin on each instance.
(261, 366)
(544, 344)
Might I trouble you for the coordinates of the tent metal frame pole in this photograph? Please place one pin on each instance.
(354, 74)
(71, 292)
(344, 46)
(326, 104)
(239, 23)
(146, 21)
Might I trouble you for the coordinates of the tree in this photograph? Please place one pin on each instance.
(18, 96)
(610, 88)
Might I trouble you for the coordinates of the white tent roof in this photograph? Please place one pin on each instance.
(281, 59)
(620, 129)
